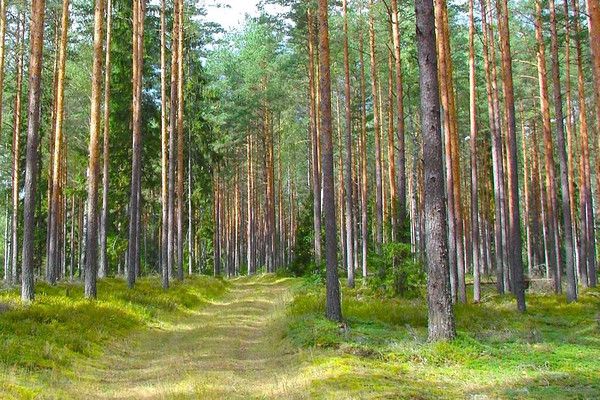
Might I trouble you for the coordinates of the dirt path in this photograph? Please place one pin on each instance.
(230, 349)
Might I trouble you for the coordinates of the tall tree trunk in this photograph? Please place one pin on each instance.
(103, 265)
(593, 12)
(551, 201)
(348, 160)
(473, 140)
(377, 131)
(400, 128)
(515, 257)
(12, 275)
(441, 317)
(172, 139)
(250, 230)
(91, 261)
(316, 173)
(134, 202)
(2, 53)
(333, 309)
(587, 261)
(563, 159)
(363, 159)
(36, 43)
(53, 248)
(394, 216)
(180, 144)
(164, 134)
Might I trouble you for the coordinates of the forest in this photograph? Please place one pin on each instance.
(359, 199)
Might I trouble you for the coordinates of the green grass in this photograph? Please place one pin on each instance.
(48, 337)
(551, 352)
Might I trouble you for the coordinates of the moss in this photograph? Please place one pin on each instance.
(552, 351)
(61, 326)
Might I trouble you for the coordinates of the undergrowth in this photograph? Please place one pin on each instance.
(381, 350)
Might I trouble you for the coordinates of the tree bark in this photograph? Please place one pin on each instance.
(12, 275)
(52, 264)
(551, 201)
(515, 256)
(473, 141)
(103, 265)
(333, 304)
(36, 43)
(91, 261)
(441, 317)
(377, 132)
(400, 125)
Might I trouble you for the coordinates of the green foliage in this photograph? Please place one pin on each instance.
(61, 325)
(304, 262)
(382, 351)
(396, 271)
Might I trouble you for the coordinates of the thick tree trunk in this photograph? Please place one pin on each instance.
(333, 309)
(103, 264)
(515, 256)
(91, 261)
(441, 318)
(36, 43)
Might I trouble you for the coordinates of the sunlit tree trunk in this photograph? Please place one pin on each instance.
(593, 12)
(36, 44)
(441, 318)
(91, 245)
(53, 245)
(164, 134)
(134, 201)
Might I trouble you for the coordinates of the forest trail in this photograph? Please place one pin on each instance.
(232, 348)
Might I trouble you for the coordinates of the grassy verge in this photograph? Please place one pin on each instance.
(551, 352)
(60, 327)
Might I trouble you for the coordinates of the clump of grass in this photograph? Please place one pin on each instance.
(553, 350)
(61, 325)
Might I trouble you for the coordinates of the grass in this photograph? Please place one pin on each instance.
(550, 352)
(47, 338)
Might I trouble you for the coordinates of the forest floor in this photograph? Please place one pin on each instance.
(266, 338)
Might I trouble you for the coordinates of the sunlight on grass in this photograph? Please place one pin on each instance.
(61, 327)
(552, 351)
